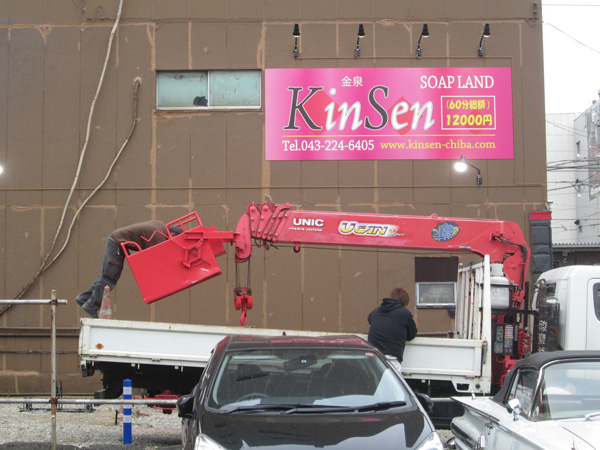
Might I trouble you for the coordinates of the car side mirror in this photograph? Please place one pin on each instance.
(514, 407)
(425, 402)
(185, 406)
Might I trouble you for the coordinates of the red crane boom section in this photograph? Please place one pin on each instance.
(268, 224)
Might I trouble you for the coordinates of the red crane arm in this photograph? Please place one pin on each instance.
(271, 224)
(262, 225)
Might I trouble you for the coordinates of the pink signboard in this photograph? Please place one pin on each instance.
(388, 113)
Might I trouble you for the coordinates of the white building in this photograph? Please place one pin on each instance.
(561, 152)
(574, 185)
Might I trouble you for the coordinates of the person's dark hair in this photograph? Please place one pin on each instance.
(401, 296)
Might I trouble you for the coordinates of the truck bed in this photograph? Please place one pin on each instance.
(170, 344)
(180, 346)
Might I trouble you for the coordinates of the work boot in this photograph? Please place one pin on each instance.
(92, 312)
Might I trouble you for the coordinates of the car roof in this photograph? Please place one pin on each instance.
(245, 342)
(537, 360)
(540, 359)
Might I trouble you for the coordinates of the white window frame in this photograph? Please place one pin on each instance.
(210, 108)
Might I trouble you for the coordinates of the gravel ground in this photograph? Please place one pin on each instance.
(445, 436)
(152, 430)
(31, 429)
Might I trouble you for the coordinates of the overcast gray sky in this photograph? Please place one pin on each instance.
(571, 54)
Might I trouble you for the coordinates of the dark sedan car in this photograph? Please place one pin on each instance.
(294, 393)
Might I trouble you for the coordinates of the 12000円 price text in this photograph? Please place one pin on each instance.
(328, 145)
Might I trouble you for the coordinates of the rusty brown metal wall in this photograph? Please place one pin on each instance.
(51, 56)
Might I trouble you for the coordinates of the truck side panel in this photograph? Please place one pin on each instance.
(128, 343)
(172, 344)
(444, 359)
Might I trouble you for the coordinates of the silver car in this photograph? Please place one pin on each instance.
(548, 401)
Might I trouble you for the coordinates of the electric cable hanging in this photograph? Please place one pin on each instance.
(574, 164)
(571, 37)
(45, 265)
(575, 131)
(89, 197)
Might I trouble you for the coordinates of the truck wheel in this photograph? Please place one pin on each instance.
(113, 390)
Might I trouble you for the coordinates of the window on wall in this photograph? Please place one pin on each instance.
(435, 282)
(432, 294)
(209, 89)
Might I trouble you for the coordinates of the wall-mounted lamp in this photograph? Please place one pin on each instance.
(360, 35)
(1, 169)
(424, 34)
(486, 34)
(461, 166)
(296, 35)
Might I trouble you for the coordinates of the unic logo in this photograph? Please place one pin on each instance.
(303, 222)
(368, 229)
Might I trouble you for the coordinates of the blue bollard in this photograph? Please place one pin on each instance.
(127, 395)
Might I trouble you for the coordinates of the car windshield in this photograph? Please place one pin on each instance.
(300, 380)
(569, 390)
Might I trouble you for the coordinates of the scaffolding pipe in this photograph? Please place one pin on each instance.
(53, 398)
(53, 302)
(91, 401)
(32, 302)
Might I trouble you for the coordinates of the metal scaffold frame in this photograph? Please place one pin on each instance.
(54, 400)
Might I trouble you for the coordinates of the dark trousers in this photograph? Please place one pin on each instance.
(112, 266)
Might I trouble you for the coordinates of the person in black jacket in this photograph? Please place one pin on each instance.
(392, 324)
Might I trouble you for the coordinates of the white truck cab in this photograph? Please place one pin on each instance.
(577, 289)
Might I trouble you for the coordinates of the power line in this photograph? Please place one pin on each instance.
(585, 218)
(575, 168)
(574, 164)
(575, 131)
(562, 188)
(576, 227)
(571, 37)
(565, 4)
